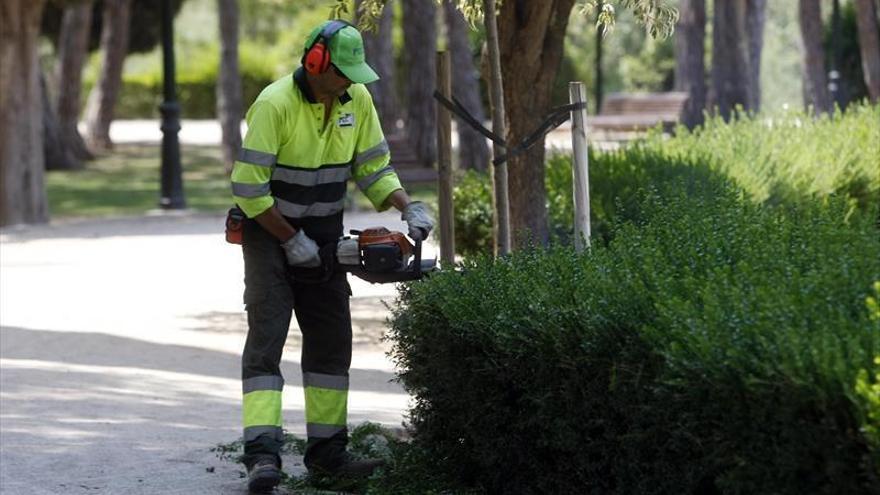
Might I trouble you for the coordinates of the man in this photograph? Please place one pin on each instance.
(307, 134)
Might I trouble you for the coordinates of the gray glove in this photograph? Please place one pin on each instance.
(418, 219)
(348, 252)
(301, 250)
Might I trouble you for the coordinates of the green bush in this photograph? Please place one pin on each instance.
(616, 179)
(791, 157)
(141, 93)
(472, 197)
(713, 346)
(784, 160)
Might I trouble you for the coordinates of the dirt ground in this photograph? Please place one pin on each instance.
(120, 347)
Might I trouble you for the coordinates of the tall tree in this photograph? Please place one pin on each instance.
(56, 154)
(73, 49)
(869, 46)
(22, 184)
(690, 69)
(473, 152)
(114, 46)
(420, 51)
(530, 38)
(379, 50)
(730, 58)
(815, 80)
(229, 96)
(756, 18)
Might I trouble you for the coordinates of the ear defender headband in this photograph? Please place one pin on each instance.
(317, 57)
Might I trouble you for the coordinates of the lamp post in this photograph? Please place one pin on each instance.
(172, 183)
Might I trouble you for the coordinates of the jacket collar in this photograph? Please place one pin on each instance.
(299, 77)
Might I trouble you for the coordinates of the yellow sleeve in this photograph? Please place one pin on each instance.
(252, 171)
(372, 169)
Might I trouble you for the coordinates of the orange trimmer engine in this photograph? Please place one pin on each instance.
(383, 250)
(388, 256)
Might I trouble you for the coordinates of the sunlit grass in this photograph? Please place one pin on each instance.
(126, 182)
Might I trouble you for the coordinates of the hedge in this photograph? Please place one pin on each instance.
(715, 345)
(197, 75)
(785, 159)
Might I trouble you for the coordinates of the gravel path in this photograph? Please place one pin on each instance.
(120, 342)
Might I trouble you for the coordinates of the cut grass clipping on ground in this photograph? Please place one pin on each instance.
(126, 182)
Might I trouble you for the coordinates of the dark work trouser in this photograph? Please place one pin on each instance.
(322, 311)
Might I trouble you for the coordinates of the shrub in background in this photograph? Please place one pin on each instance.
(141, 92)
(786, 159)
(713, 346)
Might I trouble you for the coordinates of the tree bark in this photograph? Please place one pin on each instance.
(420, 38)
(473, 152)
(379, 50)
(869, 46)
(229, 96)
(56, 154)
(22, 184)
(756, 17)
(690, 69)
(815, 79)
(73, 50)
(531, 36)
(730, 58)
(114, 46)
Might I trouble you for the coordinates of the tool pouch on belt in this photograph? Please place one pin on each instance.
(234, 224)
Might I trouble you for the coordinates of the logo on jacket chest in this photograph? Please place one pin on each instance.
(346, 120)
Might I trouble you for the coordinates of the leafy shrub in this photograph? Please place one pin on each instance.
(472, 197)
(782, 160)
(713, 345)
(141, 93)
(789, 157)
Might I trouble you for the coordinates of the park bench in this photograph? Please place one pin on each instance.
(638, 112)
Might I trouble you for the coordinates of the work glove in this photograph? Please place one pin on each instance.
(418, 220)
(348, 252)
(301, 250)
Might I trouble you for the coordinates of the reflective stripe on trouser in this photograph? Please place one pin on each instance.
(326, 404)
(322, 312)
(261, 407)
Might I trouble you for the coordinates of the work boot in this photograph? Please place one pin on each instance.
(349, 468)
(264, 474)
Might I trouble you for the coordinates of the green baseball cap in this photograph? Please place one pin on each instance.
(346, 53)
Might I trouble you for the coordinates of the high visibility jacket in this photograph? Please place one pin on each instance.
(292, 158)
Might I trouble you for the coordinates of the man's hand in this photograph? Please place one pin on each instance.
(348, 252)
(418, 219)
(301, 250)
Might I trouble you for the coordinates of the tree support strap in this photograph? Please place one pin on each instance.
(554, 119)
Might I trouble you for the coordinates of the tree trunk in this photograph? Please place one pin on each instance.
(73, 49)
(420, 38)
(690, 69)
(229, 97)
(869, 46)
(531, 36)
(473, 152)
(22, 184)
(56, 154)
(815, 80)
(114, 46)
(379, 51)
(756, 18)
(730, 58)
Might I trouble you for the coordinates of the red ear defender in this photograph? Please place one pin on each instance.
(317, 59)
